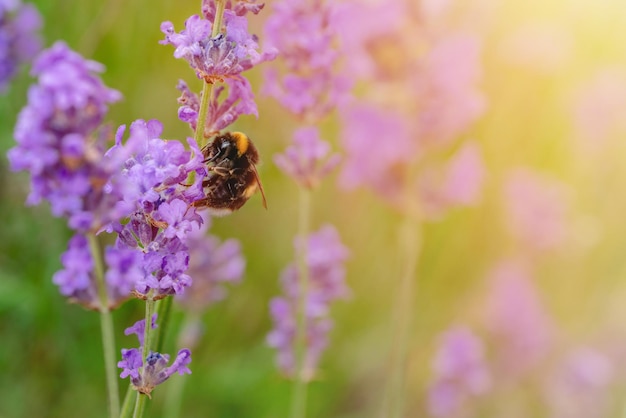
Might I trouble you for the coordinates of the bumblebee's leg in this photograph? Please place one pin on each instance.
(232, 190)
(202, 203)
(220, 171)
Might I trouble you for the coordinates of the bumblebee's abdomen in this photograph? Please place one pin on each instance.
(228, 192)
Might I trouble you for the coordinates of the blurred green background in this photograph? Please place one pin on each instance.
(50, 351)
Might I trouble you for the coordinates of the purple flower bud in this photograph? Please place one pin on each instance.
(239, 101)
(19, 40)
(146, 376)
(131, 363)
(139, 328)
(307, 161)
(325, 257)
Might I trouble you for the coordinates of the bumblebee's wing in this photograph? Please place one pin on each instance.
(258, 181)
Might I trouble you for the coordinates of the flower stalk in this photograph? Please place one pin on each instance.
(409, 238)
(140, 403)
(106, 325)
(299, 396)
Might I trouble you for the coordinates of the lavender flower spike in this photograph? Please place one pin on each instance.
(56, 140)
(325, 257)
(306, 159)
(19, 41)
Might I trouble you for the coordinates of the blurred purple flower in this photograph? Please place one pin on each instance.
(156, 369)
(325, 260)
(215, 59)
(371, 37)
(460, 374)
(418, 101)
(447, 87)
(304, 34)
(580, 387)
(521, 329)
(440, 82)
(537, 209)
(76, 279)
(376, 141)
(307, 160)
(212, 264)
(56, 139)
(19, 40)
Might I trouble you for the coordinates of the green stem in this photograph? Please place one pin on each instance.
(127, 405)
(106, 325)
(409, 242)
(140, 403)
(220, 5)
(207, 88)
(207, 92)
(299, 396)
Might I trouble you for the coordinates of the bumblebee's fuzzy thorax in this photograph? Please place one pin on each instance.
(242, 142)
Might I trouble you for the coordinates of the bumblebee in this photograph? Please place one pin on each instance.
(231, 160)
